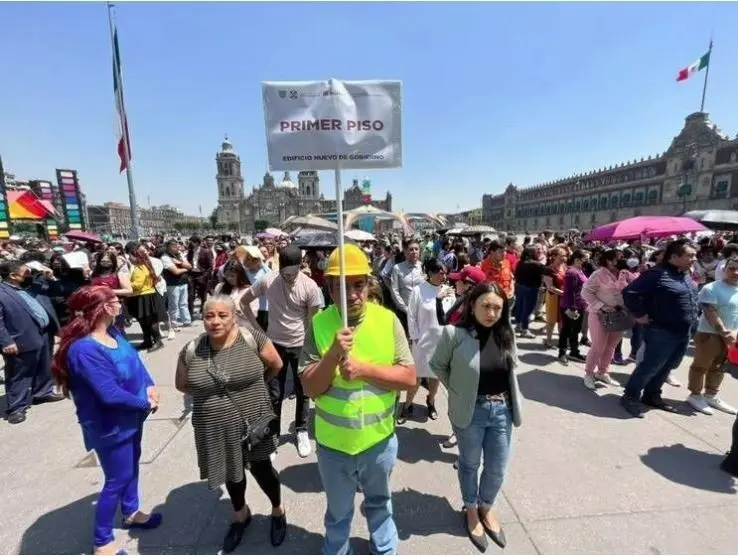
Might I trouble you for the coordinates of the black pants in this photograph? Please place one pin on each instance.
(28, 377)
(570, 329)
(262, 319)
(290, 360)
(266, 477)
(197, 287)
(150, 328)
(402, 316)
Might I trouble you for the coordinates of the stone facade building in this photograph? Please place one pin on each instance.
(272, 202)
(698, 171)
(353, 198)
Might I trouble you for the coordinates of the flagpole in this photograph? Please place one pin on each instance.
(707, 73)
(135, 227)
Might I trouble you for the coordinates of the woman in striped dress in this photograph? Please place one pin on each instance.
(224, 370)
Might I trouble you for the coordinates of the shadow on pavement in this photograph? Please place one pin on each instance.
(420, 514)
(303, 477)
(690, 467)
(539, 359)
(65, 530)
(567, 392)
(532, 344)
(417, 444)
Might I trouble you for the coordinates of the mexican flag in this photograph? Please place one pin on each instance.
(691, 69)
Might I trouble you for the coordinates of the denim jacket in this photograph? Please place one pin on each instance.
(456, 364)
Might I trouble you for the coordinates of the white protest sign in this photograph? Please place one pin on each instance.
(324, 125)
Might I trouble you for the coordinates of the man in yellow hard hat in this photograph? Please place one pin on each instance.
(354, 375)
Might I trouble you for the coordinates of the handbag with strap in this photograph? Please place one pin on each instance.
(253, 433)
(618, 320)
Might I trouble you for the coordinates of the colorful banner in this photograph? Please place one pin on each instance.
(25, 205)
(45, 191)
(366, 192)
(71, 199)
(5, 226)
(327, 125)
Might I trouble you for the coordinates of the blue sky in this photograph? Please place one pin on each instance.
(493, 93)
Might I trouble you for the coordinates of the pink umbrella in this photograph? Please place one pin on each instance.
(84, 236)
(648, 226)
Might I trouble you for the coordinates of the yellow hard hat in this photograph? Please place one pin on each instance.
(356, 263)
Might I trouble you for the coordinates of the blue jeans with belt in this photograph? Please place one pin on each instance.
(120, 467)
(663, 351)
(489, 433)
(341, 474)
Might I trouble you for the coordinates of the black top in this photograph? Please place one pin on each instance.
(494, 377)
(529, 274)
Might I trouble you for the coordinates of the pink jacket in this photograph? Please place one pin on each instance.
(604, 289)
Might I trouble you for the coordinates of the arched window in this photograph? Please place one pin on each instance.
(228, 191)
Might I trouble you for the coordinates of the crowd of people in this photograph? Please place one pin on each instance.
(421, 313)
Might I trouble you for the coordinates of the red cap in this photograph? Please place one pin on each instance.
(470, 274)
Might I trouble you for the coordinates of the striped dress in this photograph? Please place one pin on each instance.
(218, 425)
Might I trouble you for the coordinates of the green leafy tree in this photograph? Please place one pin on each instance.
(261, 224)
(213, 218)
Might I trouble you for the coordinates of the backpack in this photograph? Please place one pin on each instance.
(192, 344)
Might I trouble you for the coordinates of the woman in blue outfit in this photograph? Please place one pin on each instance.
(113, 393)
(475, 360)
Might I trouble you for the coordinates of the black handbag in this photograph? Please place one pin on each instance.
(618, 320)
(253, 434)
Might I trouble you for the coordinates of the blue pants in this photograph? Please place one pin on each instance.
(27, 377)
(662, 352)
(525, 304)
(120, 466)
(341, 474)
(489, 432)
(179, 312)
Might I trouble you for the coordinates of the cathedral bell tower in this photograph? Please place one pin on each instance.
(230, 187)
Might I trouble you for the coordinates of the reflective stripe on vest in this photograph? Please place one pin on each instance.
(352, 416)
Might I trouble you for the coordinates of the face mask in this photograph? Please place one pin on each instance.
(27, 282)
(322, 264)
(633, 263)
(105, 264)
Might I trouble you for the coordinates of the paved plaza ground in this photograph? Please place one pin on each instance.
(583, 478)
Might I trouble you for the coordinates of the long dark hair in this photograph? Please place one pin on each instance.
(502, 331)
(234, 265)
(99, 270)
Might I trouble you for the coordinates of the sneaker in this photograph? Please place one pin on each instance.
(578, 357)
(589, 383)
(564, 360)
(720, 405)
(672, 381)
(618, 361)
(607, 379)
(586, 342)
(527, 334)
(303, 444)
(698, 402)
(172, 334)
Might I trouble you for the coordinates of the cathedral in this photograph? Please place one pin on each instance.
(272, 203)
(268, 204)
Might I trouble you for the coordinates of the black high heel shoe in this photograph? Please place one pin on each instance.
(432, 413)
(235, 534)
(497, 536)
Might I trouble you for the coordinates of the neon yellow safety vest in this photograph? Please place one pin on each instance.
(352, 416)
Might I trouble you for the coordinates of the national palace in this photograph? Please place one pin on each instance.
(698, 171)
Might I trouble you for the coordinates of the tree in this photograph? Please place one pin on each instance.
(213, 218)
(261, 224)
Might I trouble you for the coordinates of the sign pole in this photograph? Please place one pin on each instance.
(341, 258)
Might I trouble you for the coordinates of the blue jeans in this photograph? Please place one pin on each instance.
(341, 474)
(525, 305)
(662, 352)
(179, 312)
(489, 432)
(120, 467)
